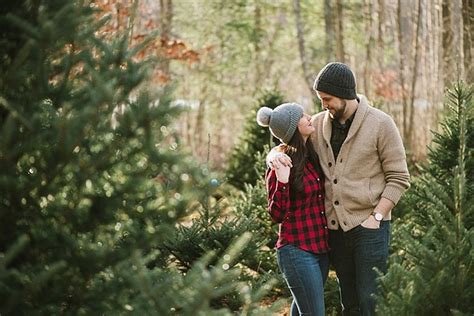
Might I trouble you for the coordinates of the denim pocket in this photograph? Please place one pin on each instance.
(373, 243)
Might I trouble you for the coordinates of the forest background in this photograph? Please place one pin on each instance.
(404, 54)
(131, 162)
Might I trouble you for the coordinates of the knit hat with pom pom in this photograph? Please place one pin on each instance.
(283, 120)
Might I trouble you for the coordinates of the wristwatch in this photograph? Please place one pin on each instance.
(378, 217)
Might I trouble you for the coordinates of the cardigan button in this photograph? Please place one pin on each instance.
(333, 222)
(336, 202)
(335, 181)
(330, 164)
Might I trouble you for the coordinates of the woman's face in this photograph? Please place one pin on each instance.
(304, 125)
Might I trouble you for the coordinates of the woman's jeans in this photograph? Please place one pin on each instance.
(305, 273)
(355, 254)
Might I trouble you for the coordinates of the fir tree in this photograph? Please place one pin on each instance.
(213, 227)
(433, 265)
(242, 161)
(85, 208)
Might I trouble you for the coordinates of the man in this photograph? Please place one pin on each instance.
(364, 162)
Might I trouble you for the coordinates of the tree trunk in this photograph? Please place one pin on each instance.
(402, 71)
(439, 49)
(416, 49)
(165, 20)
(340, 53)
(458, 46)
(381, 33)
(447, 42)
(199, 126)
(368, 48)
(468, 21)
(256, 41)
(329, 28)
(301, 44)
(268, 63)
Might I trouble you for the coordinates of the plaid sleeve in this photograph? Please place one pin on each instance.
(278, 197)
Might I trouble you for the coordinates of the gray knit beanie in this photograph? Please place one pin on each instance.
(283, 120)
(338, 80)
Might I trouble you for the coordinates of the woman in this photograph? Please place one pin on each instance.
(296, 202)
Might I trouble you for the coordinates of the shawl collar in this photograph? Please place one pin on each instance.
(362, 110)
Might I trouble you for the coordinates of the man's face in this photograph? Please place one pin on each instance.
(336, 106)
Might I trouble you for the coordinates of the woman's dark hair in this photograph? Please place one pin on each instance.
(299, 152)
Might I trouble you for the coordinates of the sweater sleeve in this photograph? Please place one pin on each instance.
(393, 158)
(278, 197)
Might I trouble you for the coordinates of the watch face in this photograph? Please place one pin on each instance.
(378, 216)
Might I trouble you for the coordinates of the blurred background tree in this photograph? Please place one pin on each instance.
(243, 161)
(87, 200)
(405, 54)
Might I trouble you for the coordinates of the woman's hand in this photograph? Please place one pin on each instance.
(276, 160)
(283, 173)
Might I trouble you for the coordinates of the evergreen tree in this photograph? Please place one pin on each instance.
(432, 267)
(214, 226)
(242, 161)
(85, 208)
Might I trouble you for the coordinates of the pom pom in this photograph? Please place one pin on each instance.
(263, 116)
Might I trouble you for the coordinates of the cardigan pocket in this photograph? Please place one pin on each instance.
(376, 187)
(356, 195)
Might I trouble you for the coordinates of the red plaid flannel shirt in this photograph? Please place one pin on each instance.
(302, 217)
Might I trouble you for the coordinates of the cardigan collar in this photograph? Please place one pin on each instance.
(361, 112)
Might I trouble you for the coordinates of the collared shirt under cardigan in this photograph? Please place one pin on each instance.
(371, 164)
(339, 134)
(301, 216)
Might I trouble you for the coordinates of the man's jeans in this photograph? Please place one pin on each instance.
(354, 254)
(305, 273)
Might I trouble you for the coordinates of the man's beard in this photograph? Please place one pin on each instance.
(339, 113)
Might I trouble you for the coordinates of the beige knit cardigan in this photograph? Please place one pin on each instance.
(371, 164)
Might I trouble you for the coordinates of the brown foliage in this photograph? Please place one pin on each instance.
(386, 85)
(139, 22)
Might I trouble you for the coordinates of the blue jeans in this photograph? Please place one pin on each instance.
(355, 254)
(305, 273)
